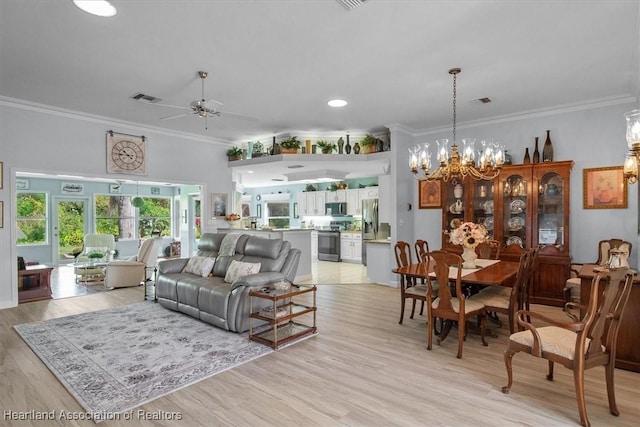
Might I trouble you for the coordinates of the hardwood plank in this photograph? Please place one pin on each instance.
(363, 368)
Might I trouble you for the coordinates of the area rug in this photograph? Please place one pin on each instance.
(114, 360)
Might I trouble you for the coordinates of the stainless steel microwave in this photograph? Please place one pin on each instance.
(335, 209)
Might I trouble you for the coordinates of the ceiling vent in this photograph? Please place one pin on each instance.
(147, 99)
(484, 100)
(351, 4)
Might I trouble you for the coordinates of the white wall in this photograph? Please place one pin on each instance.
(592, 137)
(33, 139)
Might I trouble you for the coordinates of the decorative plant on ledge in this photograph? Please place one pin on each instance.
(290, 145)
(95, 255)
(234, 153)
(368, 144)
(326, 146)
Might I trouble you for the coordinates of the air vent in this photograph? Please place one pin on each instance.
(148, 99)
(295, 166)
(351, 4)
(478, 101)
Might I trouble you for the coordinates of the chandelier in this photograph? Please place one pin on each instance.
(457, 164)
(633, 143)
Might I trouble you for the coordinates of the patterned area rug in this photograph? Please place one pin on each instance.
(114, 360)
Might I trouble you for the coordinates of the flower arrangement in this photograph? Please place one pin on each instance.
(468, 234)
(232, 217)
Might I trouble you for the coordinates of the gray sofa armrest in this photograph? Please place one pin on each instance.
(290, 266)
(174, 265)
(258, 279)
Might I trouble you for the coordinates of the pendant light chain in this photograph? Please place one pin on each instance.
(455, 74)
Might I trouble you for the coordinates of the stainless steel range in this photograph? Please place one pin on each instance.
(329, 245)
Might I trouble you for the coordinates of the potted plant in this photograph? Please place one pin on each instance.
(326, 146)
(290, 145)
(258, 148)
(234, 153)
(368, 144)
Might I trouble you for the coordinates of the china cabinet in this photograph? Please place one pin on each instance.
(525, 206)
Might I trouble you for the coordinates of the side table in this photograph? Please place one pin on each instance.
(34, 283)
(286, 306)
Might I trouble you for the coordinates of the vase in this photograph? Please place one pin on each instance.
(527, 158)
(457, 191)
(340, 145)
(547, 150)
(356, 148)
(347, 148)
(536, 153)
(469, 257)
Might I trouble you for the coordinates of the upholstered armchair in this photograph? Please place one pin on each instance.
(135, 270)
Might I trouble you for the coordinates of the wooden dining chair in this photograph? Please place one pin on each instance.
(582, 344)
(422, 247)
(508, 300)
(448, 305)
(489, 249)
(409, 288)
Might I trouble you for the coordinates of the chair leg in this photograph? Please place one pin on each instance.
(483, 329)
(430, 330)
(550, 374)
(508, 359)
(461, 334)
(413, 308)
(401, 308)
(609, 370)
(578, 377)
(422, 308)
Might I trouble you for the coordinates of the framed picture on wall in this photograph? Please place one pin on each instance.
(429, 195)
(218, 205)
(22, 184)
(1, 214)
(115, 188)
(604, 188)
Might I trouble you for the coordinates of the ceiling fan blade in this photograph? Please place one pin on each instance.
(237, 116)
(210, 101)
(176, 116)
(171, 106)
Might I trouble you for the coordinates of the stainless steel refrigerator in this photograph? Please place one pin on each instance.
(370, 224)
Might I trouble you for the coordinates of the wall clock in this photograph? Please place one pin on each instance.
(126, 154)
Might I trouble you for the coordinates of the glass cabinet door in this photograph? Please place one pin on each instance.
(454, 203)
(514, 210)
(483, 206)
(550, 210)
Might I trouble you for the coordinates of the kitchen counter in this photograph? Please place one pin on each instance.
(385, 241)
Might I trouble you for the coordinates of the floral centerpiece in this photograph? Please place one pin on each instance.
(469, 235)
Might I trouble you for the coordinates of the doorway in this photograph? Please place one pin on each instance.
(70, 224)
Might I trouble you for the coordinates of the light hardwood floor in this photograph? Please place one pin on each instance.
(362, 369)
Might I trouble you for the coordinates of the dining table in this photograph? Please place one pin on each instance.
(487, 273)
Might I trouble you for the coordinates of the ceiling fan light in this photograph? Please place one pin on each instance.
(96, 7)
(336, 103)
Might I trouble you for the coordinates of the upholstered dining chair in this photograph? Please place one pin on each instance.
(135, 270)
(572, 285)
(409, 288)
(505, 300)
(450, 306)
(489, 249)
(578, 345)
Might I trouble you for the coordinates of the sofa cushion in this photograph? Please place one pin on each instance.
(238, 269)
(199, 265)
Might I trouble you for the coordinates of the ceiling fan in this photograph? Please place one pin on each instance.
(203, 108)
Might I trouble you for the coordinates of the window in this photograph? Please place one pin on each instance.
(32, 217)
(278, 214)
(116, 215)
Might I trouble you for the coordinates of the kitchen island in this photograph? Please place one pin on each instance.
(379, 261)
(300, 238)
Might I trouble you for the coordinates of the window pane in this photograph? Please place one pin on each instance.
(155, 217)
(31, 217)
(278, 209)
(115, 215)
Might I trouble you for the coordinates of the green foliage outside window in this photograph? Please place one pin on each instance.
(32, 217)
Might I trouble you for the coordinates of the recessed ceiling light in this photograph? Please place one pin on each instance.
(337, 103)
(249, 171)
(96, 7)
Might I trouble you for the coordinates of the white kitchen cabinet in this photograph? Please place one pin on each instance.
(356, 196)
(351, 247)
(311, 203)
(338, 196)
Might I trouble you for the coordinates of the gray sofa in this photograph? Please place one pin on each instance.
(211, 299)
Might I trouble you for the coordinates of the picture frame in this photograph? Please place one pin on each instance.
(1, 175)
(22, 184)
(155, 191)
(1, 214)
(71, 188)
(604, 188)
(218, 205)
(115, 188)
(429, 194)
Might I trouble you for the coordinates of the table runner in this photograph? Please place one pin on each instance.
(482, 263)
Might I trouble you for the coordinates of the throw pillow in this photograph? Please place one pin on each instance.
(200, 265)
(238, 269)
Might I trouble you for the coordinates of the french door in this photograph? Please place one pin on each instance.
(70, 224)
